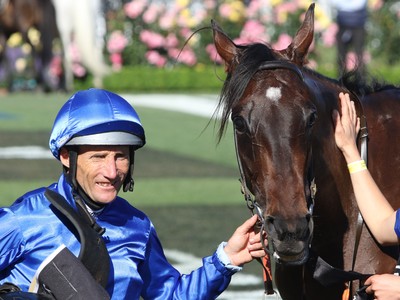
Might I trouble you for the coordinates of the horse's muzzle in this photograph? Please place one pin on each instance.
(289, 239)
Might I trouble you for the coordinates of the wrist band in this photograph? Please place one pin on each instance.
(356, 166)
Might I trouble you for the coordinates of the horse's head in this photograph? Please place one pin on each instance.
(273, 115)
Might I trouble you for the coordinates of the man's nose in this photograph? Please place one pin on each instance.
(111, 168)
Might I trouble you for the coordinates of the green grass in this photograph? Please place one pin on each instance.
(29, 111)
(180, 191)
(186, 135)
(11, 190)
(180, 164)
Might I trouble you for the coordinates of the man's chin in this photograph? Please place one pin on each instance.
(105, 199)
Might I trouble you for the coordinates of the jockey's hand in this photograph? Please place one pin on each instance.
(384, 287)
(245, 244)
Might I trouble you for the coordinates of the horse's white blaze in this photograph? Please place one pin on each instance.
(274, 93)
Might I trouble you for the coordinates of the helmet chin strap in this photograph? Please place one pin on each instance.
(128, 182)
(79, 194)
(71, 175)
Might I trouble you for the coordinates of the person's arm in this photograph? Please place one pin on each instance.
(162, 281)
(375, 209)
(11, 239)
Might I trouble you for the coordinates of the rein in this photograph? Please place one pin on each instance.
(267, 263)
(363, 139)
(269, 260)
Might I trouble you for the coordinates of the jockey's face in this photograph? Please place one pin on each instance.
(101, 171)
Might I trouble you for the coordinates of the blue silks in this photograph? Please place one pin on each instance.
(30, 231)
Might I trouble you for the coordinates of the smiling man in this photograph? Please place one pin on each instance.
(101, 171)
(95, 136)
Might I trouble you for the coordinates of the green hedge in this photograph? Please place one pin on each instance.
(201, 79)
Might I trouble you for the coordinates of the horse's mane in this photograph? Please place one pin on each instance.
(358, 81)
(363, 83)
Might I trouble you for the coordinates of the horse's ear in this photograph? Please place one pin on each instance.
(226, 48)
(298, 49)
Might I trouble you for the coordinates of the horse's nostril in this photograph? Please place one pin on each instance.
(289, 229)
(269, 224)
(270, 219)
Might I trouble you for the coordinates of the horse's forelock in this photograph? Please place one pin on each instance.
(251, 57)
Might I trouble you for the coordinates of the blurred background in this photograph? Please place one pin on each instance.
(121, 44)
(159, 55)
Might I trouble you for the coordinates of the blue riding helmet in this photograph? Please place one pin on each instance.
(96, 117)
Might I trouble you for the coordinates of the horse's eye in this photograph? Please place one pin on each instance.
(239, 123)
(312, 119)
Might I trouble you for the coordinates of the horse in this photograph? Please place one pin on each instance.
(18, 16)
(82, 23)
(292, 173)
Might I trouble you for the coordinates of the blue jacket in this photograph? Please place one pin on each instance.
(30, 231)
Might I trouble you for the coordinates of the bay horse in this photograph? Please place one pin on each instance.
(18, 16)
(291, 167)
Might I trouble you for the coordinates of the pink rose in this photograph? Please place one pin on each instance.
(154, 58)
(134, 8)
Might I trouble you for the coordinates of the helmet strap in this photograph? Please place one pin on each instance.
(80, 197)
(73, 163)
(77, 190)
(128, 182)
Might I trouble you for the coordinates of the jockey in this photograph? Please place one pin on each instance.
(95, 136)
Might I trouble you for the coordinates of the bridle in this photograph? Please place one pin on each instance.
(252, 204)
